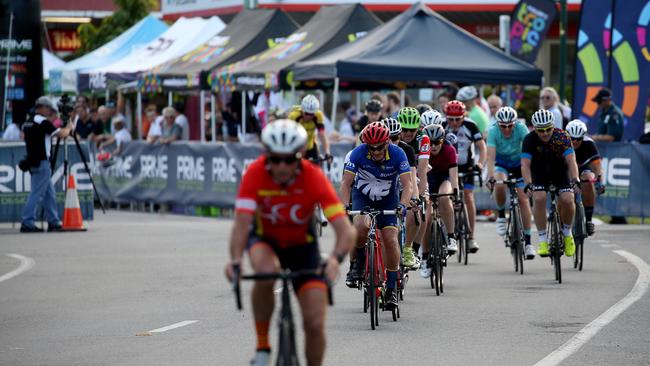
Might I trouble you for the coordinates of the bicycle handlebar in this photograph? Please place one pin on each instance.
(373, 212)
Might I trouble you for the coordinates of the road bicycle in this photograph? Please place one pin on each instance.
(287, 352)
(515, 236)
(438, 247)
(463, 228)
(554, 234)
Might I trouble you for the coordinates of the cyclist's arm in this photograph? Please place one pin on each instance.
(414, 181)
(525, 170)
(597, 168)
(239, 235)
(322, 137)
(482, 150)
(453, 176)
(570, 160)
(405, 180)
(491, 158)
(346, 236)
(421, 170)
(346, 187)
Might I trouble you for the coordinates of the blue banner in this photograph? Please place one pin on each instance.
(530, 22)
(612, 52)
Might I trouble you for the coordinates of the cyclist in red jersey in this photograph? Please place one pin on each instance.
(277, 197)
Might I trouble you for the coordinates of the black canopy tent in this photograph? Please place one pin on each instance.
(249, 33)
(419, 45)
(329, 28)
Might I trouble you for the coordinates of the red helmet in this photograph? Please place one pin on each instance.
(375, 133)
(455, 108)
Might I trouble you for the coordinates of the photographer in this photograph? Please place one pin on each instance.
(38, 132)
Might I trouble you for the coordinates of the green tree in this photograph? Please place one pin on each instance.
(127, 14)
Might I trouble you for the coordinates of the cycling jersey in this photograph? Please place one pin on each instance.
(466, 134)
(547, 164)
(508, 150)
(376, 184)
(440, 165)
(421, 145)
(410, 153)
(284, 213)
(316, 124)
(586, 153)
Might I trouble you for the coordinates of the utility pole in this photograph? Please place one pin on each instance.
(563, 58)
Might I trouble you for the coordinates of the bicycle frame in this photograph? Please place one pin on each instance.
(579, 231)
(514, 230)
(439, 241)
(554, 233)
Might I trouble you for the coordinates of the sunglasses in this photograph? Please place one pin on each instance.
(377, 148)
(544, 130)
(579, 139)
(308, 114)
(274, 159)
(506, 126)
(437, 142)
(454, 118)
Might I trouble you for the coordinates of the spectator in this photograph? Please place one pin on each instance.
(171, 131)
(84, 125)
(83, 100)
(37, 142)
(494, 103)
(93, 114)
(610, 125)
(151, 117)
(155, 127)
(345, 132)
(469, 96)
(120, 137)
(230, 116)
(393, 104)
(442, 100)
(102, 128)
(374, 108)
(182, 121)
(113, 112)
(550, 100)
(12, 132)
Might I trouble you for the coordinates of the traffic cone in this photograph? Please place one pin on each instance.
(72, 219)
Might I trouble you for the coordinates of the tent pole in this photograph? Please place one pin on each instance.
(358, 101)
(139, 115)
(170, 96)
(335, 99)
(213, 117)
(321, 96)
(107, 95)
(243, 116)
(293, 94)
(402, 97)
(6, 76)
(202, 114)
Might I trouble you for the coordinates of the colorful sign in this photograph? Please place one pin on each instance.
(612, 52)
(529, 24)
(64, 40)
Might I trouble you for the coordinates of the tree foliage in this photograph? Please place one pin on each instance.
(127, 14)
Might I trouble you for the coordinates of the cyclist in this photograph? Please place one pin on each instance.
(373, 114)
(276, 198)
(588, 160)
(423, 108)
(409, 119)
(308, 114)
(375, 168)
(442, 179)
(547, 157)
(467, 133)
(504, 157)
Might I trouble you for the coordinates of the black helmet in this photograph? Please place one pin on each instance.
(373, 105)
(423, 108)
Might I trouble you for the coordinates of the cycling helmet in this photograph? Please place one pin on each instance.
(409, 117)
(576, 129)
(284, 136)
(506, 115)
(542, 118)
(394, 127)
(430, 117)
(435, 132)
(423, 108)
(467, 93)
(310, 104)
(374, 105)
(455, 108)
(375, 133)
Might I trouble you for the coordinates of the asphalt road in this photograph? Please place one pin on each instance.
(93, 299)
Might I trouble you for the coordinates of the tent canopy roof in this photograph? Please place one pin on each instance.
(419, 45)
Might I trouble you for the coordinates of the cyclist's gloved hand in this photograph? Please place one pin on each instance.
(575, 184)
(402, 209)
(490, 183)
(600, 188)
(529, 189)
(233, 269)
(329, 157)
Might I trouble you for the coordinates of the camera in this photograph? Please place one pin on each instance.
(65, 107)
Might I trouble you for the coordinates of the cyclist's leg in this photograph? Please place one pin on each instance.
(588, 196)
(447, 207)
(500, 199)
(524, 203)
(539, 208)
(389, 230)
(263, 259)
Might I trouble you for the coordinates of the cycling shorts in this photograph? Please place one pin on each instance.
(359, 202)
(515, 172)
(558, 177)
(468, 181)
(435, 181)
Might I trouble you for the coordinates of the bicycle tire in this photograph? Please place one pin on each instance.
(365, 300)
(466, 234)
(557, 245)
(287, 355)
(439, 261)
(433, 249)
(520, 239)
(579, 254)
(579, 234)
(371, 287)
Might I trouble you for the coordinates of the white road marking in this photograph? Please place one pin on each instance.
(26, 264)
(173, 326)
(609, 246)
(585, 334)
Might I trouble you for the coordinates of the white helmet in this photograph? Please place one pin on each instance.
(394, 127)
(430, 117)
(310, 104)
(506, 115)
(467, 93)
(284, 136)
(435, 132)
(542, 118)
(576, 129)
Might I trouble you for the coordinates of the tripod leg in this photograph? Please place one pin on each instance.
(85, 162)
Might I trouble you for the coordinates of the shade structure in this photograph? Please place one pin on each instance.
(419, 45)
(183, 36)
(330, 27)
(249, 33)
(64, 78)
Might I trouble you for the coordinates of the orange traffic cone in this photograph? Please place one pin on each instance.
(72, 219)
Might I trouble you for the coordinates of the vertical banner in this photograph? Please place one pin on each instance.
(530, 22)
(612, 51)
(23, 55)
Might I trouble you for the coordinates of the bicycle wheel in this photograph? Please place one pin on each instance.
(442, 243)
(580, 250)
(287, 355)
(557, 247)
(519, 234)
(466, 231)
(431, 262)
(371, 287)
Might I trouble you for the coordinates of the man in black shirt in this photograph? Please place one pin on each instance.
(373, 114)
(38, 132)
(85, 125)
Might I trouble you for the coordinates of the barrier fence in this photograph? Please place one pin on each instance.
(209, 175)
